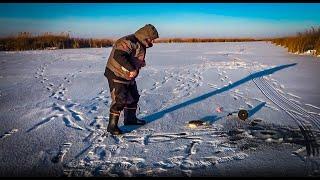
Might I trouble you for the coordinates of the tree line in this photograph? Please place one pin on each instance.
(301, 42)
(27, 41)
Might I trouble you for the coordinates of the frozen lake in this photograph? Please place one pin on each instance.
(55, 105)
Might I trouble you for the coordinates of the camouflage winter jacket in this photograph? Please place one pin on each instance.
(128, 53)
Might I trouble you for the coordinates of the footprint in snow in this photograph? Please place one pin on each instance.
(76, 114)
(44, 121)
(62, 152)
(114, 149)
(94, 109)
(9, 133)
(69, 123)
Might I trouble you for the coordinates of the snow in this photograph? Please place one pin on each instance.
(55, 104)
(310, 52)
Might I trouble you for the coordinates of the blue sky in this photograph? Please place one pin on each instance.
(113, 20)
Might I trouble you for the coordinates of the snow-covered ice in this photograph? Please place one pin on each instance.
(55, 104)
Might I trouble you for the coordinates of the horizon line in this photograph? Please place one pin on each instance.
(160, 38)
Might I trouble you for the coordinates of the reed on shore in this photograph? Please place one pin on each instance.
(302, 42)
(27, 41)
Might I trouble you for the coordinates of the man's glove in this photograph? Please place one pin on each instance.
(133, 74)
(143, 64)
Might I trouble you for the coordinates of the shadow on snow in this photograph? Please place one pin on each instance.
(152, 117)
(251, 112)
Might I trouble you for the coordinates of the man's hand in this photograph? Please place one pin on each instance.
(133, 74)
(143, 64)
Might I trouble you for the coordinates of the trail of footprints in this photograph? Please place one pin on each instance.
(113, 165)
(226, 149)
(102, 159)
(65, 113)
(186, 81)
(57, 91)
(104, 97)
(226, 145)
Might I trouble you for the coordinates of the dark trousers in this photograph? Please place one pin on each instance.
(123, 94)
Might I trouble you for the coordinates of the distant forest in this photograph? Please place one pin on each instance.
(302, 42)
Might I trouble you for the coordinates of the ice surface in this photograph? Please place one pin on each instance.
(55, 104)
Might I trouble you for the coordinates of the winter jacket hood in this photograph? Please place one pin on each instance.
(148, 31)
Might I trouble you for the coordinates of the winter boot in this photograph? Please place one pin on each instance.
(113, 124)
(130, 117)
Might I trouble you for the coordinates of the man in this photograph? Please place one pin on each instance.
(125, 61)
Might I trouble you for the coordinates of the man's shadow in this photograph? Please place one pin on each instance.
(155, 116)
